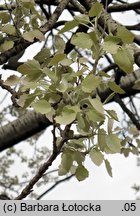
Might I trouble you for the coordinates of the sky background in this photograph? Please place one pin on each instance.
(99, 185)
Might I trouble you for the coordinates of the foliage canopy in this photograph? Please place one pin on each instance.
(83, 64)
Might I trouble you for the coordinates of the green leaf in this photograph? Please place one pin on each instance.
(4, 17)
(138, 143)
(8, 29)
(108, 167)
(62, 171)
(95, 116)
(97, 105)
(59, 44)
(31, 35)
(110, 125)
(111, 44)
(125, 151)
(81, 173)
(110, 97)
(79, 40)
(67, 116)
(6, 46)
(78, 157)
(77, 144)
(124, 59)
(102, 139)
(125, 35)
(96, 156)
(43, 55)
(57, 58)
(12, 80)
(95, 10)
(67, 160)
(113, 143)
(42, 106)
(137, 85)
(82, 19)
(116, 88)
(69, 25)
(113, 114)
(90, 83)
(82, 123)
(32, 69)
(134, 150)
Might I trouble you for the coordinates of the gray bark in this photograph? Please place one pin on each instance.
(22, 128)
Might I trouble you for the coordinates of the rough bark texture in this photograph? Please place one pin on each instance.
(22, 128)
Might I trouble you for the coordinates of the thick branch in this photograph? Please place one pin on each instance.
(124, 7)
(127, 111)
(53, 19)
(22, 128)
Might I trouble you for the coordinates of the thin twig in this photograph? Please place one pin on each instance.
(14, 94)
(54, 185)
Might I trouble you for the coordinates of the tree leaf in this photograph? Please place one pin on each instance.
(57, 58)
(102, 139)
(95, 10)
(9, 29)
(67, 160)
(6, 45)
(108, 167)
(111, 44)
(96, 156)
(59, 44)
(81, 173)
(113, 114)
(110, 125)
(42, 106)
(113, 143)
(79, 40)
(69, 25)
(137, 85)
(43, 55)
(125, 35)
(4, 17)
(31, 35)
(95, 116)
(116, 88)
(82, 123)
(62, 171)
(124, 59)
(97, 105)
(32, 69)
(110, 97)
(78, 157)
(12, 80)
(90, 83)
(67, 116)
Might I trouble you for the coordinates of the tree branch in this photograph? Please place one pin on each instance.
(124, 7)
(54, 185)
(29, 188)
(20, 129)
(127, 111)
